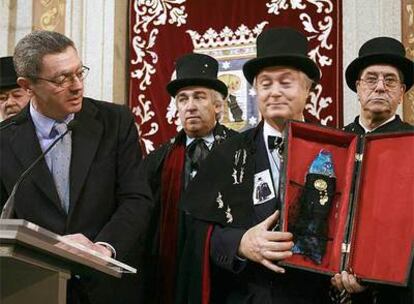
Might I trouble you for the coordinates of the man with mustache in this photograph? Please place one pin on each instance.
(380, 76)
(199, 98)
(12, 97)
(87, 188)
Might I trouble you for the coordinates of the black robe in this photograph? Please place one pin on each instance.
(396, 125)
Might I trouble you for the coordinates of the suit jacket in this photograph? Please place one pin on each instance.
(108, 201)
(227, 205)
(385, 294)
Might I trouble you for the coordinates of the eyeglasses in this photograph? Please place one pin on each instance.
(66, 80)
(390, 82)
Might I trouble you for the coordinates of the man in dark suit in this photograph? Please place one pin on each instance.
(199, 98)
(380, 76)
(235, 255)
(87, 188)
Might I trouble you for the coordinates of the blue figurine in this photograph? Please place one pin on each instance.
(310, 229)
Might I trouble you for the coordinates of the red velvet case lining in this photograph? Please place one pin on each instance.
(385, 210)
(377, 243)
(304, 143)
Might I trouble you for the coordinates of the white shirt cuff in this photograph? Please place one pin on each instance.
(110, 247)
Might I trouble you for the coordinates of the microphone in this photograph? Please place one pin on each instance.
(15, 120)
(8, 207)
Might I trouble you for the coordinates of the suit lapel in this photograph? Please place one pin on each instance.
(85, 141)
(26, 147)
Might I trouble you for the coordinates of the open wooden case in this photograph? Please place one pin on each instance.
(371, 220)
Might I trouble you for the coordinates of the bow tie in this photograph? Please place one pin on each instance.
(275, 143)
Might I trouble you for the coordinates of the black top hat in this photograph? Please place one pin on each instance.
(380, 50)
(196, 70)
(8, 77)
(281, 47)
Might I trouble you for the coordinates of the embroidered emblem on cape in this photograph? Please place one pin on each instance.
(229, 216)
(263, 187)
(239, 166)
(227, 211)
(219, 201)
(219, 138)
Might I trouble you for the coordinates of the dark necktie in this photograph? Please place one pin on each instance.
(197, 151)
(275, 143)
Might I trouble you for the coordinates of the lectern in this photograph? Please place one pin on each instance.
(35, 264)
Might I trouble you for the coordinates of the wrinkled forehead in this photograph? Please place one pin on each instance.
(63, 62)
(278, 71)
(191, 90)
(380, 69)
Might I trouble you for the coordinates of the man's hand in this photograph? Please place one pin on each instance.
(347, 281)
(83, 240)
(263, 246)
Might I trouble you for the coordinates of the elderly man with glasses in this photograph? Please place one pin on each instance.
(380, 76)
(87, 188)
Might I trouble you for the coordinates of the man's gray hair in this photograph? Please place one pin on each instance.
(31, 49)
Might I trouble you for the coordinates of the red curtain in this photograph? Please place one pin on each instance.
(163, 30)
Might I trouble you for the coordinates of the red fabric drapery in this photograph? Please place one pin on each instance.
(163, 30)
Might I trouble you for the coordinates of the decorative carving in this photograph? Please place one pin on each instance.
(150, 14)
(49, 15)
(144, 113)
(317, 104)
(226, 38)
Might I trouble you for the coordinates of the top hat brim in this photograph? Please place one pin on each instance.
(354, 69)
(252, 67)
(8, 77)
(8, 83)
(174, 86)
